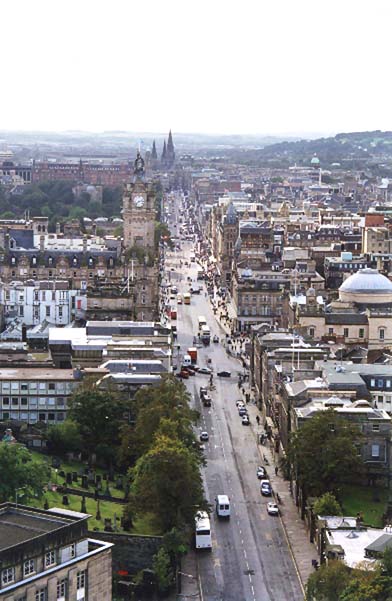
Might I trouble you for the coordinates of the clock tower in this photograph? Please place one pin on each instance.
(139, 209)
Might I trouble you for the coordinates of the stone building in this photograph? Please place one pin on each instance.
(360, 316)
(48, 556)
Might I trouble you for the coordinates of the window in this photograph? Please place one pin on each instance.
(381, 333)
(388, 383)
(42, 417)
(21, 311)
(345, 332)
(7, 576)
(311, 332)
(332, 427)
(380, 383)
(375, 450)
(52, 386)
(41, 595)
(61, 589)
(60, 312)
(48, 311)
(380, 399)
(28, 567)
(330, 331)
(72, 551)
(81, 579)
(372, 383)
(50, 558)
(15, 400)
(376, 427)
(6, 400)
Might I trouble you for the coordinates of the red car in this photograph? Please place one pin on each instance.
(183, 374)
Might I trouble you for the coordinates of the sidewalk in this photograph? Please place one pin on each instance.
(189, 580)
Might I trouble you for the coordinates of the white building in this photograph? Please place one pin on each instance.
(34, 302)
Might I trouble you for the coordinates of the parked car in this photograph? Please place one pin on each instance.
(245, 420)
(202, 391)
(190, 370)
(261, 472)
(242, 411)
(224, 374)
(240, 403)
(205, 370)
(215, 338)
(272, 508)
(204, 436)
(184, 374)
(265, 488)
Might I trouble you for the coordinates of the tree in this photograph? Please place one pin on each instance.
(323, 452)
(327, 505)
(167, 482)
(99, 415)
(164, 407)
(19, 471)
(328, 582)
(64, 438)
(163, 570)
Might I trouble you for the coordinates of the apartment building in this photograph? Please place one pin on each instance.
(48, 556)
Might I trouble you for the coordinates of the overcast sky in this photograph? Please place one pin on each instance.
(246, 66)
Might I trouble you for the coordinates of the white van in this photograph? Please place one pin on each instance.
(222, 506)
(187, 361)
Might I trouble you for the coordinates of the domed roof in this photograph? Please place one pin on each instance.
(315, 160)
(367, 281)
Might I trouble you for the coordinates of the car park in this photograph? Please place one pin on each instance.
(224, 374)
(204, 436)
(245, 420)
(265, 488)
(272, 508)
(261, 473)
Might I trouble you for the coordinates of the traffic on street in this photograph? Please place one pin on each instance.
(249, 558)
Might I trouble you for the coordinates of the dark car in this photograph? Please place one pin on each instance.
(224, 374)
(183, 374)
(242, 411)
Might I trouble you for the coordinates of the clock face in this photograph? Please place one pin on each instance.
(138, 201)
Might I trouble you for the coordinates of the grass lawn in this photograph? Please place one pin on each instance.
(143, 524)
(362, 499)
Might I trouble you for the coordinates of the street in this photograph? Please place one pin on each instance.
(250, 558)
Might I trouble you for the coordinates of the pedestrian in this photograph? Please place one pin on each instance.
(276, 470)
(258, 420)
(243, 391)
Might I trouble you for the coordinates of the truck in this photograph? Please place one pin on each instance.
(187, 298)
(205, 335)
(192, 352)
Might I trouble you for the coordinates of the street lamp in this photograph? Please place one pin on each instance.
(16, 494)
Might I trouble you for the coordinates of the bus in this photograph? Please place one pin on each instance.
(201, 321)
(187, 298)
(205, 335)
(200, 272)
(202, 531)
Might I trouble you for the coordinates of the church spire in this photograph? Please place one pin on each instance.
(154, 151)
(171, 155)
(163, 157)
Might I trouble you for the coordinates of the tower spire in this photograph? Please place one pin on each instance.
(163, 157)
(154, 151)
(171, 155)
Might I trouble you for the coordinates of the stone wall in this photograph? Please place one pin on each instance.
(130, 553)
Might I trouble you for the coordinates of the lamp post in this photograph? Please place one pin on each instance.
(16, 494)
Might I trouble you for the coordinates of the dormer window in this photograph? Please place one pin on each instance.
(74, 261)
(90, 261)
(13, 261)
(50, 261)
(34, 260)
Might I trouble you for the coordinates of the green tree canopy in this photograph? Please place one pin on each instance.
(324, 452)
(99, 415)
(19, 470)
(164, 407)
(327, 505)
(64, 438)
(167, 482)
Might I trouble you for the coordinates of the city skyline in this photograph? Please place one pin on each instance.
(280, 69)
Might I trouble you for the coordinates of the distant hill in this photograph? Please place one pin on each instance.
(345, 147)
